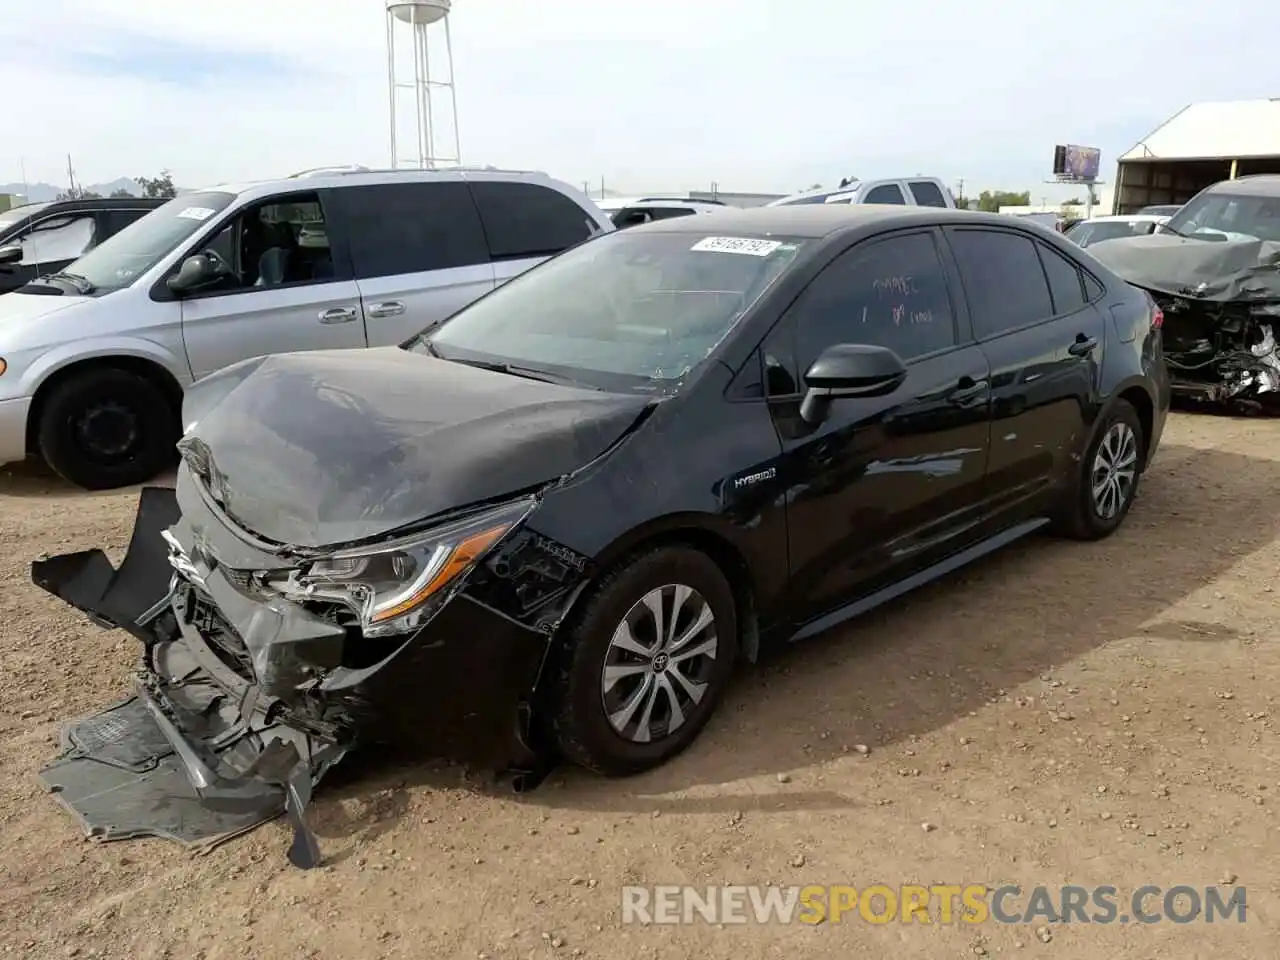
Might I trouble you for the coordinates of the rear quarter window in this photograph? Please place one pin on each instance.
(529, 220)
(927, 194)
(885, 193)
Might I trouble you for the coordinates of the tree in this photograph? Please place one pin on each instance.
(159, 186)
(121, 193)
(992, 200)
(1073, 202)
(78, 193)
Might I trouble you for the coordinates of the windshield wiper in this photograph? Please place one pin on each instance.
(1165, 228)
(528, 373)
(497, 366)
(82, 285)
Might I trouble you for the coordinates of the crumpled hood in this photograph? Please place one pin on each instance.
(1199, 269)
(323, 448)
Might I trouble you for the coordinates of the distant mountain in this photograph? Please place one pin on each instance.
(41, 192)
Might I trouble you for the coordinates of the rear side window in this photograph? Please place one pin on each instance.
(927, 194)
(1092, 288)
(666, 213)
(631, 217)
(886, 193)
(399, 228)
(1003, 280)
(529, 220)
(1064, 280)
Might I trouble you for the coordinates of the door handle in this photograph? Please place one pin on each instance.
(967, 389)
(1083, 346)
(337, 315)
(392, 308)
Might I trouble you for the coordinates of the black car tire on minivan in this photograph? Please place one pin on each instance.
(131, 406)
(616, 612)
(1121, 432)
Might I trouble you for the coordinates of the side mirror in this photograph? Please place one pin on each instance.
(849, 370)
(195, 271)
(11, 254)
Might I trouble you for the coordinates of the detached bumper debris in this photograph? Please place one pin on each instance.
(1221, 303)
(198, 754)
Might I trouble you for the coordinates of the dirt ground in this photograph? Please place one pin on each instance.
(1062, 713)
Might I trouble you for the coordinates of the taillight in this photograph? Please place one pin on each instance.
(1157, 318)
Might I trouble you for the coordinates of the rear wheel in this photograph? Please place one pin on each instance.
(107, 428)
(646, 663)
(1108, 477)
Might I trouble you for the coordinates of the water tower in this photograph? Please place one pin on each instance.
(412, 26)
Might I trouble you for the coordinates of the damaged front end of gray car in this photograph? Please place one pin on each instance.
(1221, 304)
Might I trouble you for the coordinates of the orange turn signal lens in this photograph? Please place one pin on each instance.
(460, 558)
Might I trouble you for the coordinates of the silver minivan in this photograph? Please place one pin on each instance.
(94, 359)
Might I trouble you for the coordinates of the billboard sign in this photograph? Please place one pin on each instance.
(1071, 162)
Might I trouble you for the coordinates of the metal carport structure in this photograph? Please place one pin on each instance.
(1200, 145)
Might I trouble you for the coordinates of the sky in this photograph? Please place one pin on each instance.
(753, 95)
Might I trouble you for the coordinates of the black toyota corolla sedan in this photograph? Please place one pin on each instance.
(548, 528)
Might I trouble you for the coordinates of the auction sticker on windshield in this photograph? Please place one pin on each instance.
(752, 248)
(197, 213)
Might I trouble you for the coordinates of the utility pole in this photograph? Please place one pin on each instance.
(960, 189)
(71, 178)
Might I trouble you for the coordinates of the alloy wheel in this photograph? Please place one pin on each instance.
(1115, 470)
(659, 663)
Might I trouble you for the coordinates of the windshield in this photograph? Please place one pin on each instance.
(18, 214)
(1234, 216)
(1092, 231)
(630, 310)
(121, 259)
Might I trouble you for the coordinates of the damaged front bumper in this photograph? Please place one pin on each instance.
(242, 703)
(196, 755)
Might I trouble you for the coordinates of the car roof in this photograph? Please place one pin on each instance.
(90, 203)
(811, 221)
(323, 178)
(1128, 218)
(664, 203)
(1262, 184)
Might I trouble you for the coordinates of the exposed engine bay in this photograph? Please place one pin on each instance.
(1222, 352)
(1221, 303)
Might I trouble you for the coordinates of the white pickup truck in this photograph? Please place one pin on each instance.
(906, 191)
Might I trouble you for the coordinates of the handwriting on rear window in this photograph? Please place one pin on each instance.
(900, 315)
(895, 287)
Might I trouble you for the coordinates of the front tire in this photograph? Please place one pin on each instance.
(646, 663)
(107, 428)
(1108, 477)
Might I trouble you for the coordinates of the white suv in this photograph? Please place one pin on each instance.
(94, 359)
(906, 191)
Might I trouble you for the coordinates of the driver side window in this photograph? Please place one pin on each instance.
(887, 293)
(282, 241)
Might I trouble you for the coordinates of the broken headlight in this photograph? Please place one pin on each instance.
(396, 586)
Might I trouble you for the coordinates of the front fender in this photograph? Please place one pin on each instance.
(64, 355)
